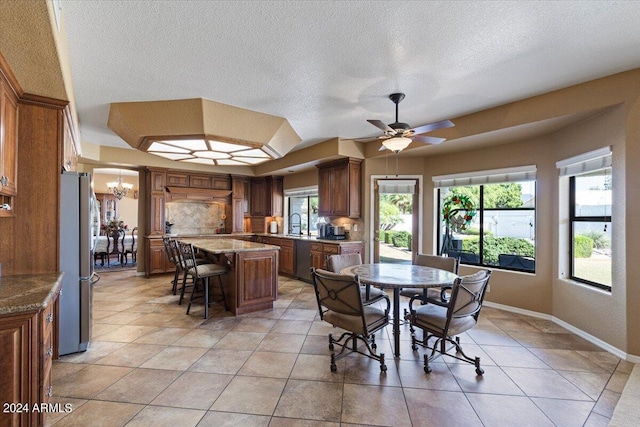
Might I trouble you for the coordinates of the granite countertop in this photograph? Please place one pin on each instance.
(279, 236)
(27, 292)
(220, 246)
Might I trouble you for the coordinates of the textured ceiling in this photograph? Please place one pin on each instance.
(328, 66)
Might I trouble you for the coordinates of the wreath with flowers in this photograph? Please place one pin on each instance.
(454, 205)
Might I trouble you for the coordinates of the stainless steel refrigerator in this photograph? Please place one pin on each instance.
(77, 230)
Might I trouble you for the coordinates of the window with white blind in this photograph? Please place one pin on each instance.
(489, 217)
(590, 205)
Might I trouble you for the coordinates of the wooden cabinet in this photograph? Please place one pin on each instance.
(241, 191)
(267, 196)
(108, 207)
(287, 253)
(320, 251)
(339, 188)
(177, 179)
(256, 281)
(29, 345)
(8, 141)
(158, 262)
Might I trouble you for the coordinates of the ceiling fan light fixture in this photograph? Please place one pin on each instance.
(397, 144)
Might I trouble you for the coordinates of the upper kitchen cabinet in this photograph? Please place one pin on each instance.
(240, 195)
(339, 188)
(8, 140)
(267, 196)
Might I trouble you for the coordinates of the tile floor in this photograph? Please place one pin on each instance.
(151, 364)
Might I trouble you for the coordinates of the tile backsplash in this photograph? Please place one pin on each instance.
(195, 218)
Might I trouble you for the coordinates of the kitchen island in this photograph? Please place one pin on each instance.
(252, 281)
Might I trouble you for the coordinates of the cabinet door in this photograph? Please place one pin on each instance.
(286, 260)
(8, 141)
(277, 197)
(259, 197)
(156, 214)
(18, 342)
(177, 179)
(340, 191)
(238, 215)
(158, 180)
(199, 181)
(324, 191)
(157, 257)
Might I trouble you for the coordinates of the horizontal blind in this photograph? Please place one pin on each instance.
(301, 192)
(494, 176)
(586, 162)
(396, 186)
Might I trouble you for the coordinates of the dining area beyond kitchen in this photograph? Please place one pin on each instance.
(148, 362)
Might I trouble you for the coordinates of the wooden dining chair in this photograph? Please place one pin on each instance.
(130, 247)
(340, 304)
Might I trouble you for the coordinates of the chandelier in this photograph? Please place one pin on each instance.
(119, 188)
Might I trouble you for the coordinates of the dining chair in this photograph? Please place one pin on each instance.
(130, 247)
(201, 274)
(340, 304)
(446, 322)
(370, 294)
(441, 293)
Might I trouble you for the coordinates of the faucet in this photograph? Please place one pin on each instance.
(293, 225)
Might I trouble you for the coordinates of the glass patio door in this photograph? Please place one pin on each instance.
(395, 217)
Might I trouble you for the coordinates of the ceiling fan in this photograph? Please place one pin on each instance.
(397, 135)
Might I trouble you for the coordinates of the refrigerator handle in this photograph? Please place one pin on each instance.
(95, 278)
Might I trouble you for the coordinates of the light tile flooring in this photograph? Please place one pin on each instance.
(151, 364)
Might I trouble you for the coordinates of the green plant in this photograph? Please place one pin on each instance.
(401, 239)
(494, 246)
(388, 236)
(409, 242)
(582, 246)
(600, 239)
(381, 235)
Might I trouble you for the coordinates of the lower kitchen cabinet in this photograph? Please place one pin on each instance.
(320, 251)
(29, 344)
(287, 253)
(157, 260)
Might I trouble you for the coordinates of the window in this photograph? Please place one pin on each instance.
(590, 203)
(304, 204)
(499, 230)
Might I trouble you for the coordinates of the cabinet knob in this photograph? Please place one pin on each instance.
(50, 317)
(49, 392)
(49, 352)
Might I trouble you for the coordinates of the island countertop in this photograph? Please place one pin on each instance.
(28, 292)
(221, 246)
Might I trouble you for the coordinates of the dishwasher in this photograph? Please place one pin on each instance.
(303, 260)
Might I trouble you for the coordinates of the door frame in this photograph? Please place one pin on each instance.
(372, 209)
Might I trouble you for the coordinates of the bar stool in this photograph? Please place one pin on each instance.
(201, 273)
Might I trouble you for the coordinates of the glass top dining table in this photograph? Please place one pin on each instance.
(396, 277)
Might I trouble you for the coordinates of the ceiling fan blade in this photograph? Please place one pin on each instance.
(433, 126)
(428, 139)
(379, 124)
(366, 139)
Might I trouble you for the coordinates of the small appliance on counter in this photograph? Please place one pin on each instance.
(273, 227)
(333, 232)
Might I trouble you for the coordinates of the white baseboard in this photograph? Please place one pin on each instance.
(593, 340)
